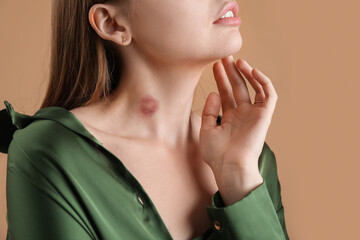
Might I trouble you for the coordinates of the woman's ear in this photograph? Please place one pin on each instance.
(109, 24)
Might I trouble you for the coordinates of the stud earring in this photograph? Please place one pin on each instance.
(124, 38)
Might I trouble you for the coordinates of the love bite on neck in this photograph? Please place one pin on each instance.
(148, 106)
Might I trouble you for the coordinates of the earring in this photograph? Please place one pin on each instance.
(124, 38)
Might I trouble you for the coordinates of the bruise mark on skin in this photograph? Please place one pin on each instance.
(148, 106)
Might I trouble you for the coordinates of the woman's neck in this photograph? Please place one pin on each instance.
(153, 103)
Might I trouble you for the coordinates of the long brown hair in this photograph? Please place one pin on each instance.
(83, 66)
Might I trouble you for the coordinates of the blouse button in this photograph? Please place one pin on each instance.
(140, 200)
(217, 225)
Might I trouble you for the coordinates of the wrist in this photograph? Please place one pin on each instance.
(238, 185)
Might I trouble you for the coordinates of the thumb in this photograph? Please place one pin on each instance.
(211, 111)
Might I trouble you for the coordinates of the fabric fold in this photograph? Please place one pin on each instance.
(10, 121)
(7, 130)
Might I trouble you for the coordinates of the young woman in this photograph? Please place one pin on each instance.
(115, 151)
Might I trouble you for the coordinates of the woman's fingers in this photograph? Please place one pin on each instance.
(238, 84)
(246, 69)
(268, 88)
(267, 94)
(232, 86)
(226, 94)
(210, 112)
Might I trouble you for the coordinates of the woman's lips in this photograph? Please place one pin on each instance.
(233, 21)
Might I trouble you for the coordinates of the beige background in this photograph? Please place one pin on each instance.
(310, 51)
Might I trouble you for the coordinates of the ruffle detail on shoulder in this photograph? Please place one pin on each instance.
(10, 121)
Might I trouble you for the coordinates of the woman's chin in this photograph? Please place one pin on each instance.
(229, 45)
(235, 43)
(229, 50)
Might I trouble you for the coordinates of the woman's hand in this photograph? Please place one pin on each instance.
(232, 149)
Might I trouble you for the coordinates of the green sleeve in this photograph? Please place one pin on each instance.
(259, 215)
(36, 209)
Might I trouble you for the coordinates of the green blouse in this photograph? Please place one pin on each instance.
(61, 183)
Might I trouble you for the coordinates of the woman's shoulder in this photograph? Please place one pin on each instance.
(42, 134)
(41, 149)
(48, 147)
(42, 144)
(49, 129)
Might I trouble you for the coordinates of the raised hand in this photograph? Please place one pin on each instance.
(232, 149)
